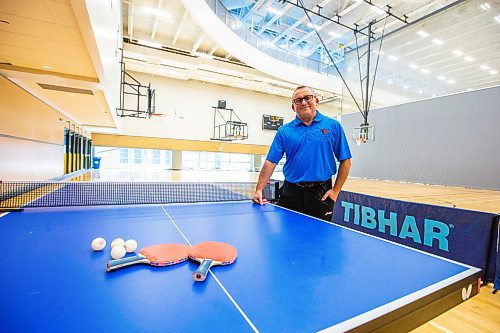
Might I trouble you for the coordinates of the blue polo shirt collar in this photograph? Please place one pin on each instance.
(318, 118)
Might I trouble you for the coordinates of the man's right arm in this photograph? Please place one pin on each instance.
(264, 176)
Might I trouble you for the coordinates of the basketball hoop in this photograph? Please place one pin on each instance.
(363, 134)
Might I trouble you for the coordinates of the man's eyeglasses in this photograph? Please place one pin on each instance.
(306, 98)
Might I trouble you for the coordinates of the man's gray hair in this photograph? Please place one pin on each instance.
(304, 87)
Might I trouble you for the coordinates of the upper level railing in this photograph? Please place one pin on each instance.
(265, 46)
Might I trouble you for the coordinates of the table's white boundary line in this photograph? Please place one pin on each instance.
(216, 279)
(205, 203)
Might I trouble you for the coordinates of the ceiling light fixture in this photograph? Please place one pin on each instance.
(157, 12)
(413, 66)
(497, 18)
(424, 71)
(493, 72)
(46, 67)
(469, 59)
(484, 67)
(334, 34)
(441, 78)
(450, 81)
(149, 43)
(422, 33)
(317, 27)
(274, 11)
(393, 58)
(458, 53)
(437, 41)
(485, 6)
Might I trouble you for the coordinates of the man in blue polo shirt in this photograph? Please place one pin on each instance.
(312, 143)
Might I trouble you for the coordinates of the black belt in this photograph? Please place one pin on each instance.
(312, 184)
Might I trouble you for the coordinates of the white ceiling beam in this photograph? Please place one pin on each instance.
(343, 5)
(324, 25)
(197, 43)
(288, 30)
(350, 8)
(296, 24)
(312, 33)
(179, 27)
(155, 24)
(255, 7)
(271, 21)
(212, 50)
(451, 42)
(130, 20)
(414, 12)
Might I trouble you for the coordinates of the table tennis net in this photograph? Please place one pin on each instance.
(31, 194)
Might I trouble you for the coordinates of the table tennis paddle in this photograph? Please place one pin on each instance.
(155, 255)
(210, 254)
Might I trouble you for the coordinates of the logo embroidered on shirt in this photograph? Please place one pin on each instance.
(325, 131)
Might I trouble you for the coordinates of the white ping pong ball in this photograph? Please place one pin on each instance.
(130, 245)
(117, 241)
(118, 252)
(98, 244)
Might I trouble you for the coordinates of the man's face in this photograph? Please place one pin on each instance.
(305, 110)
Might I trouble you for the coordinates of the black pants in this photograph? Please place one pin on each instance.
(306, 198)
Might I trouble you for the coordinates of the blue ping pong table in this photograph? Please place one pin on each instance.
(294, 273)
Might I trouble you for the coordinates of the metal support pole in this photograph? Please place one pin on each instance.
(366, 99)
